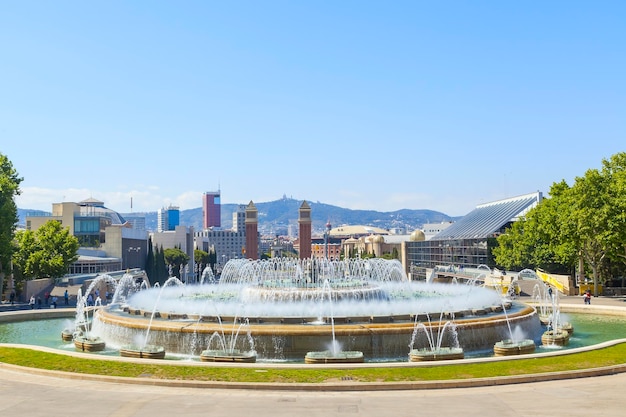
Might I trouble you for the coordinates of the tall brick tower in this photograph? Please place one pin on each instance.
(304, 220)
(252, 235)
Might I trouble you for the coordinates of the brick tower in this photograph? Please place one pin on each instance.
(252, 235)
(304, 220)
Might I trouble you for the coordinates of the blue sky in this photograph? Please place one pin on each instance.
(438, 105)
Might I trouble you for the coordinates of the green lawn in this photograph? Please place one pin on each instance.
(614, 355)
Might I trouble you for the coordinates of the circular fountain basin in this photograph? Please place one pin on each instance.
(229, 355)
(144, 352)
(67, 335)
(559, 337)
(294, 337)
(440, 354)
(568, 327)
(509, 347)
(89, 343)
(327, 356)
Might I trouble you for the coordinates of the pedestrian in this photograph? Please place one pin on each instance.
(38, 302)
(66, 296)
(12, 297)
(587, 297)
(47, 297)
(31, 303)
(550, 292)
(54, 301)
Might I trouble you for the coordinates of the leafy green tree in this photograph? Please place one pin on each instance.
(9, 188)
(585, 222)
(175, 257)
(47, 252)
(201, 256)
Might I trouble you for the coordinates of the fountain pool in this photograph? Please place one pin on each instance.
(291, 307)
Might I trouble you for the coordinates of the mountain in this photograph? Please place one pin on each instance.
(276, 216)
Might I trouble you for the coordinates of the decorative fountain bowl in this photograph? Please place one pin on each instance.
(143, 352)
(568, 327)
(440, 354)
(327, 356)
(88, 343)
(509, 347)
(558, 337)
(67, 335)
(228, 355)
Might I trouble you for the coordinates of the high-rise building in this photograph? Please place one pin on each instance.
(252, 237)
(211, 209)
(168, 218)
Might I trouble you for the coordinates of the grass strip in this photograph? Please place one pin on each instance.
(613, 355)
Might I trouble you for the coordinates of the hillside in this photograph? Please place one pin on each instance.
(276, 216)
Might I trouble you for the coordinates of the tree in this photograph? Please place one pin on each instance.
(150, 266)
(9, 189)
(201, 256)
(47, 252)
(175, 258)
(585, 222)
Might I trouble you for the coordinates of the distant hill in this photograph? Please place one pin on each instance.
(276, 216)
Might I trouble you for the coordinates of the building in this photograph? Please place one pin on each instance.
(227, 244)
(211, 209)
(107, 241)
(467, 243)
(168, 218)
(182, 237)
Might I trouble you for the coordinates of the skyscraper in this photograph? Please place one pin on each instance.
(211, 209)
(168, 218)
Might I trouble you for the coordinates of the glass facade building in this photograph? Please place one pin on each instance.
(468, 243)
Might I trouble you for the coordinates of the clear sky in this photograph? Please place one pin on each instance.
(380, 105)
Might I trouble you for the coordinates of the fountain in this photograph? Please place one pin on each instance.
(143, 349)
(558, 332)
(82, 337)
(516, 344)
(225, 351)
(287, 314)
(435, 351)
(334, 354)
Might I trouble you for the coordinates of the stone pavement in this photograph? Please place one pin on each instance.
(42, 396)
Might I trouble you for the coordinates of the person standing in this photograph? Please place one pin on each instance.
(31, 302)
(66, 296)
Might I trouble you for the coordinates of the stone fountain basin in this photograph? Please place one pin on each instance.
(382, 336)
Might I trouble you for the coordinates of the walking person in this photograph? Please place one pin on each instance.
(66, 296)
